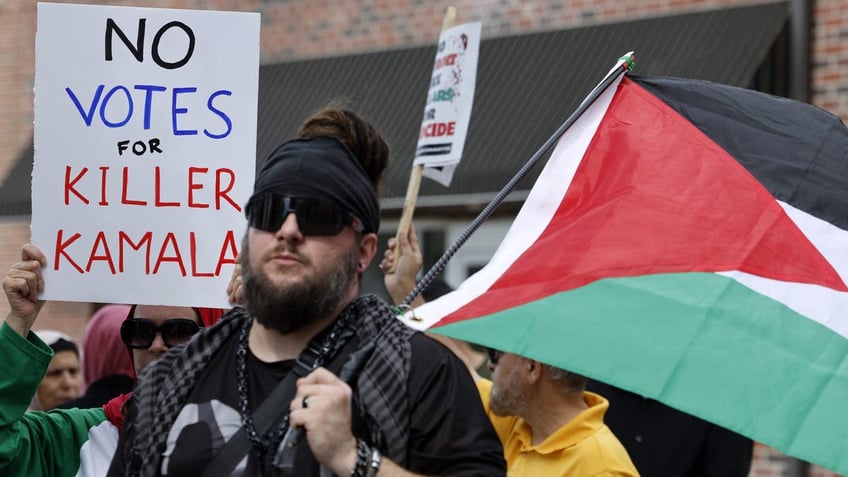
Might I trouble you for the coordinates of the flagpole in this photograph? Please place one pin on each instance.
(417, 172)
(621, 66)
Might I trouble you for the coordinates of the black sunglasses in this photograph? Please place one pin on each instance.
(139, 333)
(494, 355)
(314, 217)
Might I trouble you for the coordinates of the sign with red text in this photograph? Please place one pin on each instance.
(449, 100)
(145, 146)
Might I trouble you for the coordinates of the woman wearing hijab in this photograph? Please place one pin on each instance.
(107, 368)
(62, 382)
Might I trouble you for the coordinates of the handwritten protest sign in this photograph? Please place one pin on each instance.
(145, 143)
(449, 101)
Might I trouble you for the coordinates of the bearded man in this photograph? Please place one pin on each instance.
(373, 398)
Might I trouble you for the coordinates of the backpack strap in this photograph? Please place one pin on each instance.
(272, 409)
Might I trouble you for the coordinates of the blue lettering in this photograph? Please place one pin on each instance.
(175, 111)
(87, 117)
(106, 103)
(148, 99)
(220, 114)
(113, 115)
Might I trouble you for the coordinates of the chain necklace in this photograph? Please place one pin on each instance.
(328, 347)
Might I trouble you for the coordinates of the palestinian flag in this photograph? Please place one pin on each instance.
(686, 241)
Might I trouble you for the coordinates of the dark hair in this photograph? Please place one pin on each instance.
(357, 134)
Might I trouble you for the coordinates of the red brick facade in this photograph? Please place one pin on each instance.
(313, 28)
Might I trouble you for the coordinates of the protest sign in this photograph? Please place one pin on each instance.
(145, 144)
(449, 100)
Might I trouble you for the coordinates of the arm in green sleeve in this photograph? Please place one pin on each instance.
(36, 443)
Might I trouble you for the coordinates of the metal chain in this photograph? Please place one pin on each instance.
(272, 438)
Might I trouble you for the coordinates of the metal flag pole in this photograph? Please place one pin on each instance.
(623, 64)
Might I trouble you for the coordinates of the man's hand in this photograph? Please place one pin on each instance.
(326, 419)
(402, 280)
(22, 285)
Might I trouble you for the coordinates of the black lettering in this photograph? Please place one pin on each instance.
(155, 49)
(137, 50)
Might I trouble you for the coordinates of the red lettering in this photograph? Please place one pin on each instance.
(229, 245)
(60, 250)
(124, 188)
(169, 251)
(447, 60)
(192, 186)
(157, 188)
(222, 193)
(103, 170)
(439, 129)
(145, 239)
(107, 256)
(177, 257)
(193, 246)
(69, 185)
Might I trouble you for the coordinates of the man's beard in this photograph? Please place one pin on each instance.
(293, 307)
(509, 398)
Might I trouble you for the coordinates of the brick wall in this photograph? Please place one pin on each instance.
(17, 27)
(830, 56)
(314, 28)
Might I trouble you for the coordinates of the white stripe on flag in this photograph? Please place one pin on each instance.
(544, 199)
(823, 305)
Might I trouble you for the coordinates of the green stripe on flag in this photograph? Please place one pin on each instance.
(700, 342)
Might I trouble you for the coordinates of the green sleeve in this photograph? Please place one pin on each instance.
(36, 443)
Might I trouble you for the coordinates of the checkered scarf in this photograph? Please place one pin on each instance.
(380, 393)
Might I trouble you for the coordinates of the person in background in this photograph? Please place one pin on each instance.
(107, 368)
(67, 442)
(548, 423)
(63, 380)
(474, 357)
(665, 442)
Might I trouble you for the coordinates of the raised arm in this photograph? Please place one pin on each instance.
(33, 443)
(402, 280)
(22, 285)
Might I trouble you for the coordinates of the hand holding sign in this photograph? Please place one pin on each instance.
(448, 109)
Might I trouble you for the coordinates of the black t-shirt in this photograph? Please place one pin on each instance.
(449, 432)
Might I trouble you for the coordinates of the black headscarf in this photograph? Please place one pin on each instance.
(320, 168)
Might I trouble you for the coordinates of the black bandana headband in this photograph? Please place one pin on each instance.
(320, 168)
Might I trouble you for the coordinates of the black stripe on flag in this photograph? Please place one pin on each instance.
(799, 152)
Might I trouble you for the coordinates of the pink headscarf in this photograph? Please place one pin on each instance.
(104, 353)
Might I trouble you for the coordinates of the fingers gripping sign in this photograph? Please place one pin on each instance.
(326, 419)
(235, 289)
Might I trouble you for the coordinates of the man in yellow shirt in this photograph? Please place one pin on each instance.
(549, 425)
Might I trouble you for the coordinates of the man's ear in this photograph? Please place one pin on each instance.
(534, 371)
(367, 250)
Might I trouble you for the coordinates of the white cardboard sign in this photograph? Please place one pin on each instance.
(145, 146)
(449, 100)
